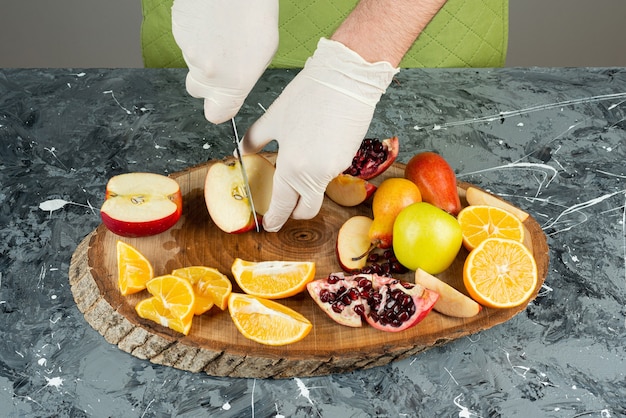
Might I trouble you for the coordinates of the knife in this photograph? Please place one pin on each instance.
(245, 176)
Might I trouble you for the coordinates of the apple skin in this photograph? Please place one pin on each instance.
(224, 192)
(451, 302)
(347, 190)
(426, 237)
(141, 204)
(435, 179)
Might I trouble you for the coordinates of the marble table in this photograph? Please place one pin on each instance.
(552, 141)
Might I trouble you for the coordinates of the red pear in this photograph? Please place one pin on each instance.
(435, 179)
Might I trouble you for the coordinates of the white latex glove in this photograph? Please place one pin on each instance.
(319, 121)
(227, 44)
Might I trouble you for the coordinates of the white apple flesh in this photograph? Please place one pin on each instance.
(451, 302)
(353, 242)
(141, 204)
(226, 197)
(348, 190)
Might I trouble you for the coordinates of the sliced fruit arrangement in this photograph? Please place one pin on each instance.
(417, 224)
(384, 303)
(500, 273)
(141, 204)
(428, 229)
(171, 305)
(266, 321)
(481, 222)
(133, 269)
(373, 157)
(272, 279)
(209, 285)
(188, 291)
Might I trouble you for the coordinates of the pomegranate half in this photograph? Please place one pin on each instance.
(385, 303)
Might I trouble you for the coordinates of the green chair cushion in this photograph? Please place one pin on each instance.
(463, 34)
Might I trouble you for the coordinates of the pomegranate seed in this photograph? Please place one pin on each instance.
(338, 307)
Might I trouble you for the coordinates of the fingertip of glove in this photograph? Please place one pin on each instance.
(272, 224)
(217, 114)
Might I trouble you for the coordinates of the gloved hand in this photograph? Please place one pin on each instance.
(227, 44)
(319, 121)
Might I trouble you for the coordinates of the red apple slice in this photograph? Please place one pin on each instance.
(451, 302)
(225, 192)
(347, 190)
(353, 242)
(141, 204)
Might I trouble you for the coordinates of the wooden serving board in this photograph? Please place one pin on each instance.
(214, 345)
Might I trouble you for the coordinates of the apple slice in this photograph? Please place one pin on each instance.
(476, 196)
(348, 190)
(352, 242)
(225, 192)
(451, 302)
(141, 204)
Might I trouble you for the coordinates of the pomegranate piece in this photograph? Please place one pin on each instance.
(401, 305)
(339, 297)
(385, 303)
(373, 157)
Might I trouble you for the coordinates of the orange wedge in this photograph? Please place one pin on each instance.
(500, 273)
(209, 285)
(171, 305)
(273, 279)
(266, 321)
(481, 222)
(133, 269)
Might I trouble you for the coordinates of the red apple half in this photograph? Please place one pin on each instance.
(225, 193)
(141, 204)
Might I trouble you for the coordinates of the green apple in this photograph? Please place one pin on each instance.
(426, 237)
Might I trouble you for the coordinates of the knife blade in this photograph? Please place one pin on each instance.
(244, 174)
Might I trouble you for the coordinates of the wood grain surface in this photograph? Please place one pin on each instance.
(214, 346)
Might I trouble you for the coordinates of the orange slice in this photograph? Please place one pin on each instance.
(273, 279)
(500, 273)
(133, 269)
(209, 285)
(266, 321)
(171, 305)
(481, 222)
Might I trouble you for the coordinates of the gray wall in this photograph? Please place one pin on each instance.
(105, 33)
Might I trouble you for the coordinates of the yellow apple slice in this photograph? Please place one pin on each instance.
(451, 302)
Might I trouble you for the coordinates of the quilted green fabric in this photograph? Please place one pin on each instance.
(463, 34)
